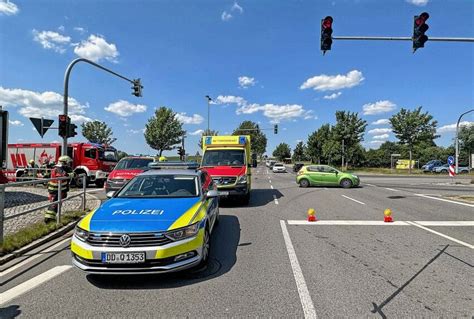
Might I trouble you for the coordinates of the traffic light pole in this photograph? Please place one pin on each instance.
(457, 139)
(66, 89)
(437, 39)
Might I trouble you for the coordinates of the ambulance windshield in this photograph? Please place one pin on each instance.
(224, 158)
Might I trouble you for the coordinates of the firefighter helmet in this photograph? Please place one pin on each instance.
(31, 161)
(64, 159)
(162, 159)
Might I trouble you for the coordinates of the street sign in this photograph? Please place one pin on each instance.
(42, 125)
(451, 171)
(450, 160)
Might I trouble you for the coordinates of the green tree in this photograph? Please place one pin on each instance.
(331, 151)
(282, 151)
(299, 153)
(348, 133)
(466, 143)
(121, 154)
(207, 133)
(98, 132)
(414, 127)
(314, 148)
(163, 130)
(258, 140)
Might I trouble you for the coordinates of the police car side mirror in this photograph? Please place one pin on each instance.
(212, 193)
(110, 194)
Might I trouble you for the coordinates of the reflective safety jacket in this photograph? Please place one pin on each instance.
(60, 171)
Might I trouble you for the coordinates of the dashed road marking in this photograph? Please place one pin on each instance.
(271, 186)
(445, 200)
(442, 235)
(305, 297)
(270, 181)
(391, 189)
(275, 199)
(370, 185)
(34, 282)
(355, 200)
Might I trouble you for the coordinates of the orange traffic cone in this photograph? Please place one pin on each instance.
(311, 215)
(387, 215)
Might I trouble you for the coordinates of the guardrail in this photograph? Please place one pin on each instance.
(34, 182)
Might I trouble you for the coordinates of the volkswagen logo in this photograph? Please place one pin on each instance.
(125, 240)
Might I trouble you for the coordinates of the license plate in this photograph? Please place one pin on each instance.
(123, 258)
(223, 193)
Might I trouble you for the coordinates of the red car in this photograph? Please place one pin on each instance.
(125, 170)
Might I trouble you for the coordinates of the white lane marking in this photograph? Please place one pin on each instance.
(271, 186)
(445, 223)
(275, 199)
(94, 190)
(391, 189)
(347, 222)
(442, 235)
(270, 181)
(34, 282)
(325, 188)
(30, 259)
(371, 185)
(445, 200)
(355, 200)
(305, 297)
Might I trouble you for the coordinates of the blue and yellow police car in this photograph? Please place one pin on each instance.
(160, 221)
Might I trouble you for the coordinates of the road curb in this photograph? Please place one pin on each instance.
(38, 242)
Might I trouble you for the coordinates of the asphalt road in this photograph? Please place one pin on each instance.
(266, 261)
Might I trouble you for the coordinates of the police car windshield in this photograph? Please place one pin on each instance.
(153, 186)
(134, 163)
(223, 158)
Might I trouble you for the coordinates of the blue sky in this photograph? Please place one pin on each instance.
(258, 60)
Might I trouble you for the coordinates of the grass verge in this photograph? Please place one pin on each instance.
(461, 198)
(35, 231)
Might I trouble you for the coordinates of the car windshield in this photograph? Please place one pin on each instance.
(151, 186)
(224, 158)
(134, 163)
(108, 155)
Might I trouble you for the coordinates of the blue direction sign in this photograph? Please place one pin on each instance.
(450, 160)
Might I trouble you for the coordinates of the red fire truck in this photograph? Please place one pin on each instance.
(3, 143)
(94, 160)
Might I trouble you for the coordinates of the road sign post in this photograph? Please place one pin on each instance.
(451, 169)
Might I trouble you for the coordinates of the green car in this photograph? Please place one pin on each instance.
(324, 175)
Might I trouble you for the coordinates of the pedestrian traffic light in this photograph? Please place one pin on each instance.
(326, 34)
(275, 129)
(71, 130)
(63, 125)
(137, 88)
(419, 29)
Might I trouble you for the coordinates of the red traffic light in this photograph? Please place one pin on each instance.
(62, 118)
(422, 18)
(327, 22)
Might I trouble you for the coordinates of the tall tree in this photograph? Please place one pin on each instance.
(258, 140)
(314, 148)
(98, 132)
(121, 154)
(349, 132)
(282, 151)
(413, 127)
(466, 142)
(299, 154)
(207, 133)
(163, 130)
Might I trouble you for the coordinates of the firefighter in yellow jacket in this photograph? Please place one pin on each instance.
(62, 169)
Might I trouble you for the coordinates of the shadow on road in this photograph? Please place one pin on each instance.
(224, 243)
(258, 198)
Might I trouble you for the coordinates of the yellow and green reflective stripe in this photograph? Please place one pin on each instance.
(194, 244)
(81, 252)
(85, 223)
(187, 217)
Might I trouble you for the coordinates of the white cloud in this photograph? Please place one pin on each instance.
(61, 28)
(125, 108)
(96, 48)
(332, 96)
(51, 40)
(419, 3)
(16, 123)
(379, 131)
(236, 7)
(81, 30)
(8, 8)
(197, 132)
(381, 122)
(195, 119)
(47, 104)
(246, 81)
(229, 99)
(381, 137)
(136, 131)
(378, 107)
(452, 127)
(325, 82)
(225, 16)
(376, 142)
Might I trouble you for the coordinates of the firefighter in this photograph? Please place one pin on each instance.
(32, 169)
(45, 168)
(62, 169)
(162, 159)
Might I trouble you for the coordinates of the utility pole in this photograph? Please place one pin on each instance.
(342, 164)
(208, 112)
(457, 139)
(136, 87)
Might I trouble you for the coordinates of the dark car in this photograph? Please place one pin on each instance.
(297, 167)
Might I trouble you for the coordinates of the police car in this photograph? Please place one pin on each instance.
(160, 221)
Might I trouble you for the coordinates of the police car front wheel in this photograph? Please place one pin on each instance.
(206, 248)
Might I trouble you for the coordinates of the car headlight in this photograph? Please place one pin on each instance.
(182, 233)
(242, 179)
(81, 233)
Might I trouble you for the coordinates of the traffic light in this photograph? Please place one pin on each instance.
(275, 129)
(137, 88)
(181, 152)
(419, 29)
(71, 130)
(326, 34)
(63, 125)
